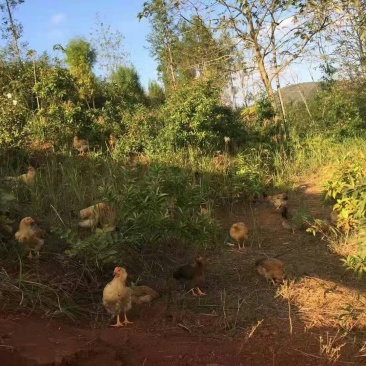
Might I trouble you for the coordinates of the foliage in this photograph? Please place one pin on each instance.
(80, 57)
(348, 191)
(336, 111)
(138, 130)
(163, 38)
(193, 116)
(13, 117)
(152, 212)
(252, 167)
(155, 94)
(126, 87)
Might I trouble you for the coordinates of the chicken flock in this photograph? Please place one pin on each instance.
(118, 298)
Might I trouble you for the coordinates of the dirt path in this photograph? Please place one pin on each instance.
(239, 322)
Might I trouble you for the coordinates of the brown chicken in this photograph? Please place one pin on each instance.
(30, 235)
(239, 232)
(272, 269)
(334, 217)
(112, 141)
(117, 297)
(192, 275)
(98, 215)
(220, 161)
(27, 178)
(143, 294)
(81, 145)
(278, 200)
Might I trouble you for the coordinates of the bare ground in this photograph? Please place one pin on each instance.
(241, 321)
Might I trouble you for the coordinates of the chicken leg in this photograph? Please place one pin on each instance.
(118, 324)
(126, 321)
(199, 292)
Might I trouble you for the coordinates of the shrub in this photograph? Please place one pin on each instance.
(194, 117)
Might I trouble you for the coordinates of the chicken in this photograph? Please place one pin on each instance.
(197, 179)
(286, 221)
(193, 275)
(204, 211)
(272, 269)
(30, 235)
(117, 297)
(239, 232)
(80, 145)
(298, 222)
(143, 294)
(334, 217)
(5, 224)
(27, 178)
(171, 209)
(278, 200)
(112, 141)
(99, 214)
(220, 161)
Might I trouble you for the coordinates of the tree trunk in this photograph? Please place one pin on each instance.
(260, 63)
(13, 31)
(277, 79)
(170, 60)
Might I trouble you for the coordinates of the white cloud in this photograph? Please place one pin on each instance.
(288, 22)
(57, 19)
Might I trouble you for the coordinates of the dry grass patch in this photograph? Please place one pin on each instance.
(323, 303)
(344, 248)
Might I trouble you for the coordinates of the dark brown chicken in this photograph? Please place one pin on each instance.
(192, 275)
(272, 269)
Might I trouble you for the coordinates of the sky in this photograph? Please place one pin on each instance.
(50, 22)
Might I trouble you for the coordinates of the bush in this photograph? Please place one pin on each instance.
(347, 190)
(194, 117)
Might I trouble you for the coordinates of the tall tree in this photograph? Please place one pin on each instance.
(200, 54)
(346, 38)
(163, 38)
(155, 94)
(80, 57)
(108, 45)
(11, 29)
(126, 86)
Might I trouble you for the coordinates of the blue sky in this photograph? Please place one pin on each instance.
(49, 22)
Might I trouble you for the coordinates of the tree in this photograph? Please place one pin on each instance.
(163, 39)
(200, 54)
(156, 94)
(10, 27)
(276, 32)
(347, 37)
(126, 86)
(109, 48)
(80, 57)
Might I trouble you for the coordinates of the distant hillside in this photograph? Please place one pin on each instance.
(292, 93)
